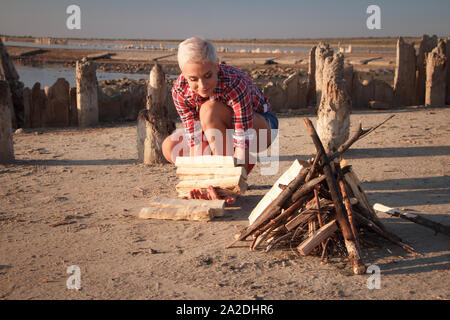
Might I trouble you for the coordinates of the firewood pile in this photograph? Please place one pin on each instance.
(322, 211)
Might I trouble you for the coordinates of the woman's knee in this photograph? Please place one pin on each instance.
(215, 113)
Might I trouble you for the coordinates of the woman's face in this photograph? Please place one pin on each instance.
(201, 76)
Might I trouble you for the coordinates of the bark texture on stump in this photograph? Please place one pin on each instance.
(153, 124)
(73, 112)
(295, 91)
(436, 63)
(87, 95)
(405, 74)
(6, 140)
(58, 104)
(276, 95)
(323, 51)
(427, 44)
(8, 72)
(27, 107)
(38, 105)
(311, 93)
(447, 54)
(333, 123)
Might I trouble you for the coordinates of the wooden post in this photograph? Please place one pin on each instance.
(405, 74)
(153, 124)
(311, 94)
(333, 123)
(426, 45)
(87, 95)
(322, 51)
(6, 141)
(436, 74)
(38, 106)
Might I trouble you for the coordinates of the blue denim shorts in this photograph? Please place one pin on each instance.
(272, 120)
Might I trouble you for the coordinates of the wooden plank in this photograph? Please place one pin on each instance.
(206, 177)
(271, 195)
(437, 227)
(197, 214)
(206, 161)
(316, 239)
(235, 185)
(217, 206)
(178, 209)
(185, 173)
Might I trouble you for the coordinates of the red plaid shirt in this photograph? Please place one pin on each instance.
(235, 89)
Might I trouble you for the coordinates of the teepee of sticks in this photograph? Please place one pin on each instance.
(322, 210)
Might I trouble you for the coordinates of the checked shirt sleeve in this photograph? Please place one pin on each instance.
(192, 128)
(239, 98)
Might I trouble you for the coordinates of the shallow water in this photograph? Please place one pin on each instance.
(47, 76)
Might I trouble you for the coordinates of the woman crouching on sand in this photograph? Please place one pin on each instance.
(221, 109)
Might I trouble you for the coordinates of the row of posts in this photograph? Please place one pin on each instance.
(153, 121)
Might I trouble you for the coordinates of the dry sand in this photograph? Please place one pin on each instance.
(91, 179)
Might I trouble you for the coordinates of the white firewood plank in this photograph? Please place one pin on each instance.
(193, 214)
(317, 237)
(180, 209)
(183, 172)
(206, 161)
(285, 178)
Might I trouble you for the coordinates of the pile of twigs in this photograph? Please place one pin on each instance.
(323, 210)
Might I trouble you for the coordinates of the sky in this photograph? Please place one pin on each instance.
(226, 19)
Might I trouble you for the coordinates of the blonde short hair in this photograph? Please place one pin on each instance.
(196, 49)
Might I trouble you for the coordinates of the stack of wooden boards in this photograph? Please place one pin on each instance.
(201, 172)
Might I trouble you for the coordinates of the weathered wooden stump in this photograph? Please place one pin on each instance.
(436, 63)
(322, 51)
(333, 123)
(426, 45)
(311, 93)
(153, 124)
(73, 112)
(58, 104)
(38, 105)
(9, 73)
(405, 74)
(27, 107)
(447, 54)
(87, 96)
(295, 91)
(6, 141)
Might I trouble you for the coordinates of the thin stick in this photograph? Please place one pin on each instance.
(348, 205)
(359, 134)
(319, 215)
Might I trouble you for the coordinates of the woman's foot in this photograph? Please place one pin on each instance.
(211, 194)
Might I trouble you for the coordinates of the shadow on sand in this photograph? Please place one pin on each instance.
(98, 162)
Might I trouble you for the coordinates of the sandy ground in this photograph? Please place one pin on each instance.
(92, 180)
